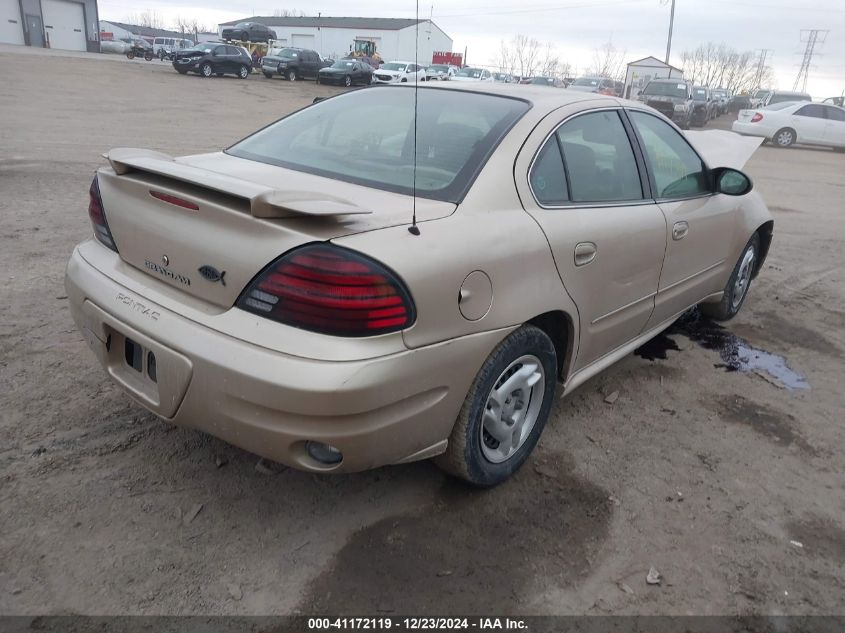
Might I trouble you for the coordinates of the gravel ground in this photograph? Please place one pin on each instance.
(726, 482)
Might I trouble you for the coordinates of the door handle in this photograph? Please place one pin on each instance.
(585, 252)
(680, 230)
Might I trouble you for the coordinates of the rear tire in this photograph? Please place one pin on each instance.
(243, 72)
(347, 81)
(736, 289)
(784, 137)
(510, 398)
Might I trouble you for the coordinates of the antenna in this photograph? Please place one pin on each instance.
(414, 229)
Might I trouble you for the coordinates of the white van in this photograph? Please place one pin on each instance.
(170, 44)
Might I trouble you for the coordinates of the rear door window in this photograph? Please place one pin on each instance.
(598, 159)
(813, 110)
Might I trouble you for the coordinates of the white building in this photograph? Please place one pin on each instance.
(333, 38)
(641, 71)
(65, 24)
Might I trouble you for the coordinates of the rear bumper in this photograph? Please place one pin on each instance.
(389, 409)
(748, 129)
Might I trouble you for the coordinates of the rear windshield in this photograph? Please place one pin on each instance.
(665, 89)
(788, 96)
(781, 105)
(455, 134)
(586, 81)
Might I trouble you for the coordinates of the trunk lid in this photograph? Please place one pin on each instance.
(212, 252)
(745, 115)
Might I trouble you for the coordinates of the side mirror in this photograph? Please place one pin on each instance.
(731, 182)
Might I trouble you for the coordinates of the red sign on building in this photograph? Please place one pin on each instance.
(447, 57)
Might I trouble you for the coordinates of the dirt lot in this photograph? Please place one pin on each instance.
(706, 474)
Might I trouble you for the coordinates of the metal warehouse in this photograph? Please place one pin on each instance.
(333, 38)
(66, 24)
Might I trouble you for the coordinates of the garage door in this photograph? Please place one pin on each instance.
(64, 23)
(11, 25)
(302, 41)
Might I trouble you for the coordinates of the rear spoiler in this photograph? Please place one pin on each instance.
(264, 202)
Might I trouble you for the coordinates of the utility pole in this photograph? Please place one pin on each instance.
(761, 65)
(811, 37)
(671, 25)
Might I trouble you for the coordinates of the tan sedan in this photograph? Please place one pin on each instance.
(338, 292)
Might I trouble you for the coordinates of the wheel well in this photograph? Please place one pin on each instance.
(558, 326)
(765, 232)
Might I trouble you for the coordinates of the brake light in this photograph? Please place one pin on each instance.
(98, 216)
(179, 202)
(757, 117)
(331, 290)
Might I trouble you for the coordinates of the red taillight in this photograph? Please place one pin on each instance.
(98, 216)
(179, 202)
(331, 290)
(757, 117)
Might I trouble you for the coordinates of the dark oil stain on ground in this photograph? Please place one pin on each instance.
(771, 423)
(473, 551)
(737, 354)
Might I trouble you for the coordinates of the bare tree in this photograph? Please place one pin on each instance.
(608, 61)
(288, 13)
(720, 66)
(191, 26)
(520, 56)
(148, 19)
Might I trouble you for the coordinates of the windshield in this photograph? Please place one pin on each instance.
(586, 81)
(291, 53)
(780, 105)
(543, 81)
(760, 93)
(665, 89)
(455, 133)
(344, 63)
(475, 73)
(699, 94)
(203, 48)
(780, 98)
(242, 25)
(394, 66)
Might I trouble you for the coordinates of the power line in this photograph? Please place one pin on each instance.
(812, 37)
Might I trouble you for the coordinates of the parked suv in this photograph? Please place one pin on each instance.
(249, 32)
(670, 97)
(703, 106)
(293, 63)
(212, 58)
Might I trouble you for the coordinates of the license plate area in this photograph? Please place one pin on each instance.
(141, 360)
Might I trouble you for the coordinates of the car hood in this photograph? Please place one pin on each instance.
(275, 59)
(334, 71)
(663, 98)
(392, 73)
(721, 148)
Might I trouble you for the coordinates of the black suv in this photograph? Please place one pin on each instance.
(214, 59)
(670, 97)
(293, 63)
(249, 32)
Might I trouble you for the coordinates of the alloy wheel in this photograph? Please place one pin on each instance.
(743, 278)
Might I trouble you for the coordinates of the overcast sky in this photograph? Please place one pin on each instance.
(576, 27)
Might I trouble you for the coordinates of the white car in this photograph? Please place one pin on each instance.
(795, 122)
(398, 72)
(440, 72)
(473, 74)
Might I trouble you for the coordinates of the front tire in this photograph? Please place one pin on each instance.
(291, 75)
(505, 410)
(785, 137)
(736, 289)
(206, 70)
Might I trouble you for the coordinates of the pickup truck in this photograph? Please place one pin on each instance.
(292, 63)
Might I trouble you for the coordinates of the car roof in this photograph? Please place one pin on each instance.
(543, 99)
